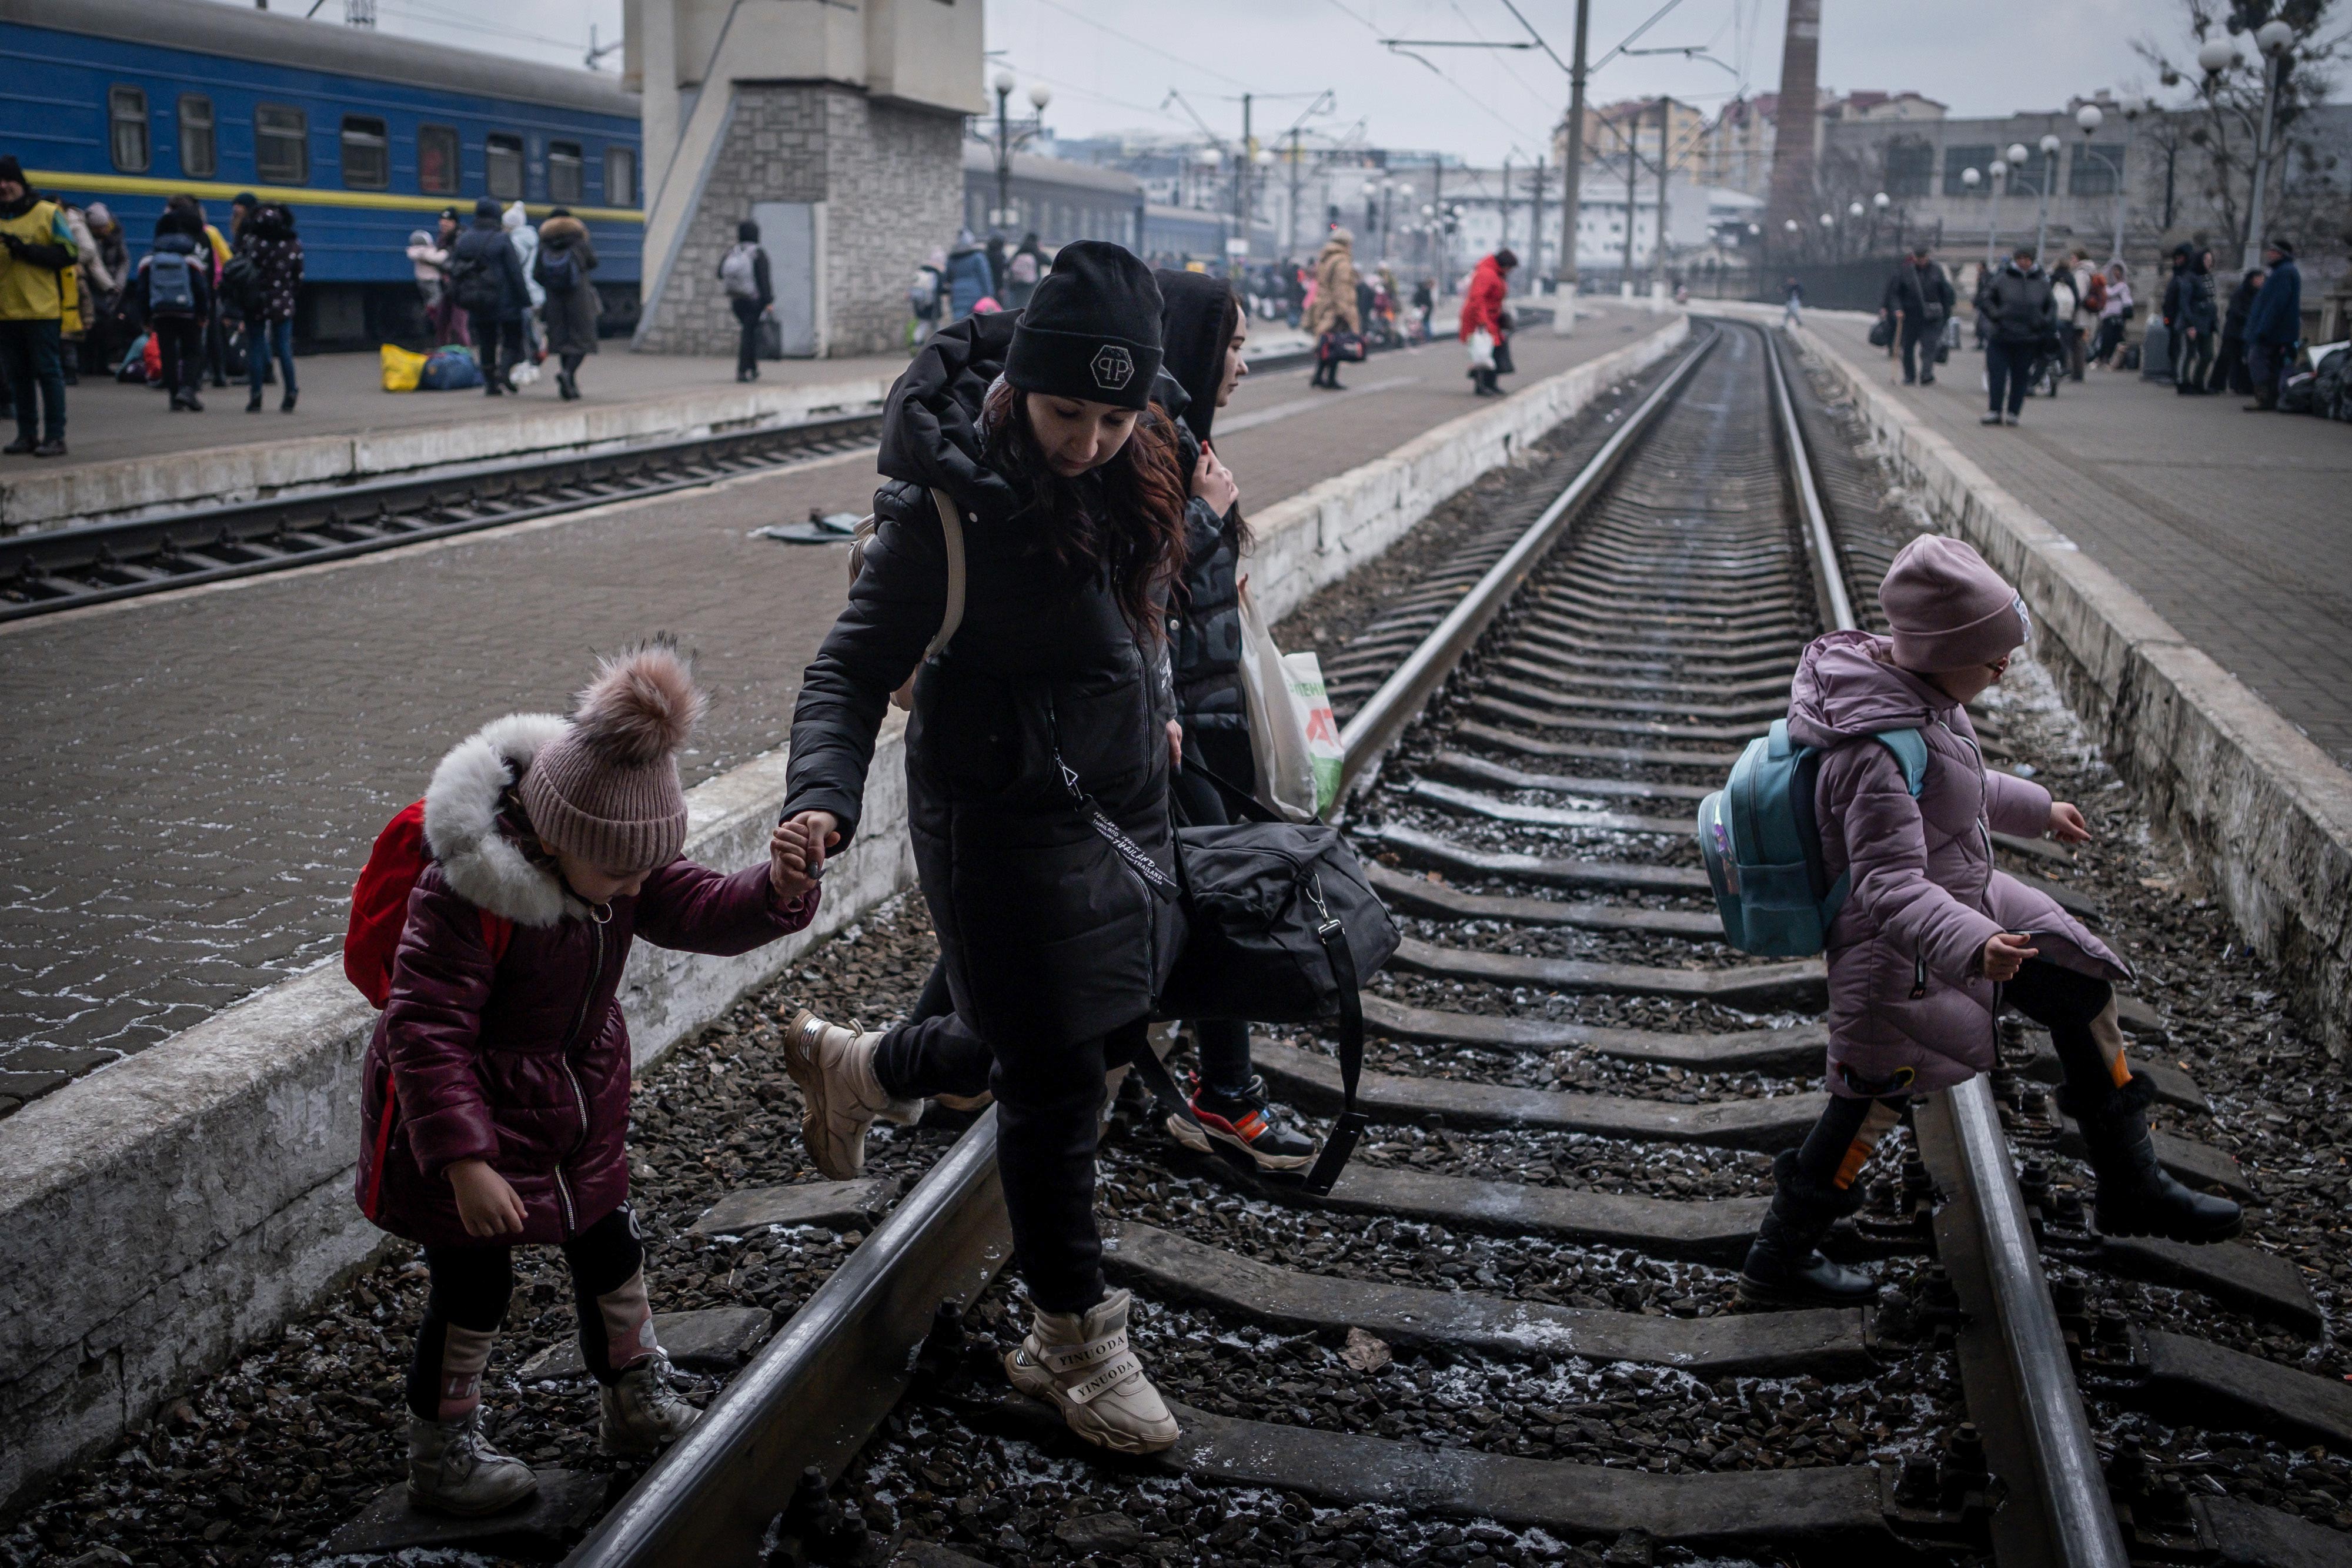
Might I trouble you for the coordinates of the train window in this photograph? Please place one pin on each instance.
(367, 153)
(198, 157)
(437, 159)
(126, 113)
(282, 144)
(620, 176)
(504, 155)
(567, 178)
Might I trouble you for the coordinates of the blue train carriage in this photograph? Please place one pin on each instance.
(367, 138)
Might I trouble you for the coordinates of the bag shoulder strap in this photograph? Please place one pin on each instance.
(1349, 1126)
(1910, 750)
(951, 533)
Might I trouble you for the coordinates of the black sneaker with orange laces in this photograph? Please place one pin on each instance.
(1247, 1122)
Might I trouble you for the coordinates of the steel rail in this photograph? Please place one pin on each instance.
(816, 1391)
(389, 504)
(1374, 727)
(2081, 1531)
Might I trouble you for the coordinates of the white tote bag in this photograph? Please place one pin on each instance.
(1481, 349)
(1286, 783)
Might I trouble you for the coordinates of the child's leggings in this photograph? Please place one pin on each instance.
(467, 1302)
(2074, 1007)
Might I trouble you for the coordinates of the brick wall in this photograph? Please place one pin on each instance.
(891, 177)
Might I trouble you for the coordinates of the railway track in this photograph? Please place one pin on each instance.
(44, 572)
(1576, 1090)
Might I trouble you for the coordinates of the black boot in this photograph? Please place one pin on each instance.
(253, 401)
(2137, 1195)
(1784, 1268)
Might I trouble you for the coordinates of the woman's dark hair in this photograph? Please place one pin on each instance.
(1133, 533)
(748, 232)
(1227, 325)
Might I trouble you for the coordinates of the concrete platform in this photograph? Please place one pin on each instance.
(2231, 525)
(199, 773)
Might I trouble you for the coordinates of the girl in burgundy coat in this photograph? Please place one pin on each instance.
(497, 1085)
(1933, 942)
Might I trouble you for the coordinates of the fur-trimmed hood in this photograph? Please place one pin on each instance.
(561, 232)
(478, 861)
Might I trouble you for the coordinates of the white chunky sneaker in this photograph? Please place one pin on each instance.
(1081, 1363)
(451, 1469)
(835, 1069)
(638, 1415)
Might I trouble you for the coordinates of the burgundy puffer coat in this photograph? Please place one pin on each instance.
(1906, 988)
(523, 1062)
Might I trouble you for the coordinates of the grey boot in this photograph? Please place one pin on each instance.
(1784, 1267)
(451, 1469)
(638, 1415)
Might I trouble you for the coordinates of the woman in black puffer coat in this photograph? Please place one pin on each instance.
(1203, 328)
(1038, 430)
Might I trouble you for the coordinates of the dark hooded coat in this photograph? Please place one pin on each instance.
(1204, 623)
(1047, 936)
(571, 314)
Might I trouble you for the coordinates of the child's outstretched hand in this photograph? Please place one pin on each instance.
(2005, 953)
(485, 1201)
(795, 858)
(2066, 825)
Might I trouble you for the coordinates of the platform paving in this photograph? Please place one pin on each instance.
(2235, 526)
(196, 776)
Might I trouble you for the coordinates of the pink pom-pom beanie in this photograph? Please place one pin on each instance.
(1949, 609)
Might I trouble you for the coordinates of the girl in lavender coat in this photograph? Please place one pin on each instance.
(1932, 942)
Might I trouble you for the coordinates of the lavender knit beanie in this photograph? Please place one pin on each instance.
(1949, 609)
(607, 790)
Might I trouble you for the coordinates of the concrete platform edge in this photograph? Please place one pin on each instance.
(133, 487)
(160, 1215)
(2263, 815)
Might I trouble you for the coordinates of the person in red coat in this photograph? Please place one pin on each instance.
(1482, 310)
(496, 1091)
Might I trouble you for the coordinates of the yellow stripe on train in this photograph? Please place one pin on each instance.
(294, 195)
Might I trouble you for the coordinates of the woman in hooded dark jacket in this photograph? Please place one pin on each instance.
(565, 259)
(1204, 328)
(1052, 900)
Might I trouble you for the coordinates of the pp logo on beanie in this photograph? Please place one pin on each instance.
(1113, 368)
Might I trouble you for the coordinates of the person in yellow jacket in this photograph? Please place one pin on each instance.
(37, 250)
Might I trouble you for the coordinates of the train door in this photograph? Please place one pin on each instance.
(788, 231)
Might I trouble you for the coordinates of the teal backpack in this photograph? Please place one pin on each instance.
(1763, 846)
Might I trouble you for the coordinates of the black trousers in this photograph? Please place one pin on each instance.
(2192, 359)
(1919, 341)
(1222, 1044)
(470, 1287)
(2230, 366)
(179, 339)
(2062, 1000)
(747, 345)
(2008, 367)
(501, 348)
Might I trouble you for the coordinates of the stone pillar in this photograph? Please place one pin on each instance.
(840, 127)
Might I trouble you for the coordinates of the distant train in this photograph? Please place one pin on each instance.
(366, 137)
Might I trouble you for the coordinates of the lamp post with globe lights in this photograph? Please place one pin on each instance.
(2276, 41)
(2049, 146)
(1009, 137)
(2090, 117)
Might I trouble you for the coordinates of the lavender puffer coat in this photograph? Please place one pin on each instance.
(1904, 980)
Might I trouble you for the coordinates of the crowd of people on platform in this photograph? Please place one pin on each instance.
(2037, 325)
(510, 292)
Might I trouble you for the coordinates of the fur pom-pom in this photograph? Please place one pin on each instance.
(642, 704)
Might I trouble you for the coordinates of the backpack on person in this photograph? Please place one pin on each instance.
(740, 271)
(473, 284)
(1762, 844)
(241, 285)
(558, 272)
(379, 906)
(952, 537)
(171, 284)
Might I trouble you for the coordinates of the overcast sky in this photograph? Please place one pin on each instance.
(1113, 63)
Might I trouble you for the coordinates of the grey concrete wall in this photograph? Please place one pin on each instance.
(156, 1216)
(890, 177)
(2263, 815)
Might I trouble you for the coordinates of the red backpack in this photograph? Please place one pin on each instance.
(379, 906)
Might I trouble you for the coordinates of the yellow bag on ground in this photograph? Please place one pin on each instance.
(401, 368)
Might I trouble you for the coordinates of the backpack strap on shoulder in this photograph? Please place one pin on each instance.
(951, 533)
(1910, 750)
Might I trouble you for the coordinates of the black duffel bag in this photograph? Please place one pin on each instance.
(1881, 331)
(1282, 927)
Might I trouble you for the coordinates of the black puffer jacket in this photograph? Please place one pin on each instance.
(2017, 305)
(2198, 307)
(1047, 936)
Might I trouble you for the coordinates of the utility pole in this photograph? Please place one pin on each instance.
(1236, 266)
(1572, 170)
(1658, 250)
(1534, 225)
(1632, 169)
(1505, 243)
(1290, 238)
(1437, 218)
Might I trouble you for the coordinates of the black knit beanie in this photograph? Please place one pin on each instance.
(1091, 330)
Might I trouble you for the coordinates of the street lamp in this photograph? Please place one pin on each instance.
(2276, 41)
(1007, 139)
(2090, 117)
(1998, 172)
(2050, 144)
